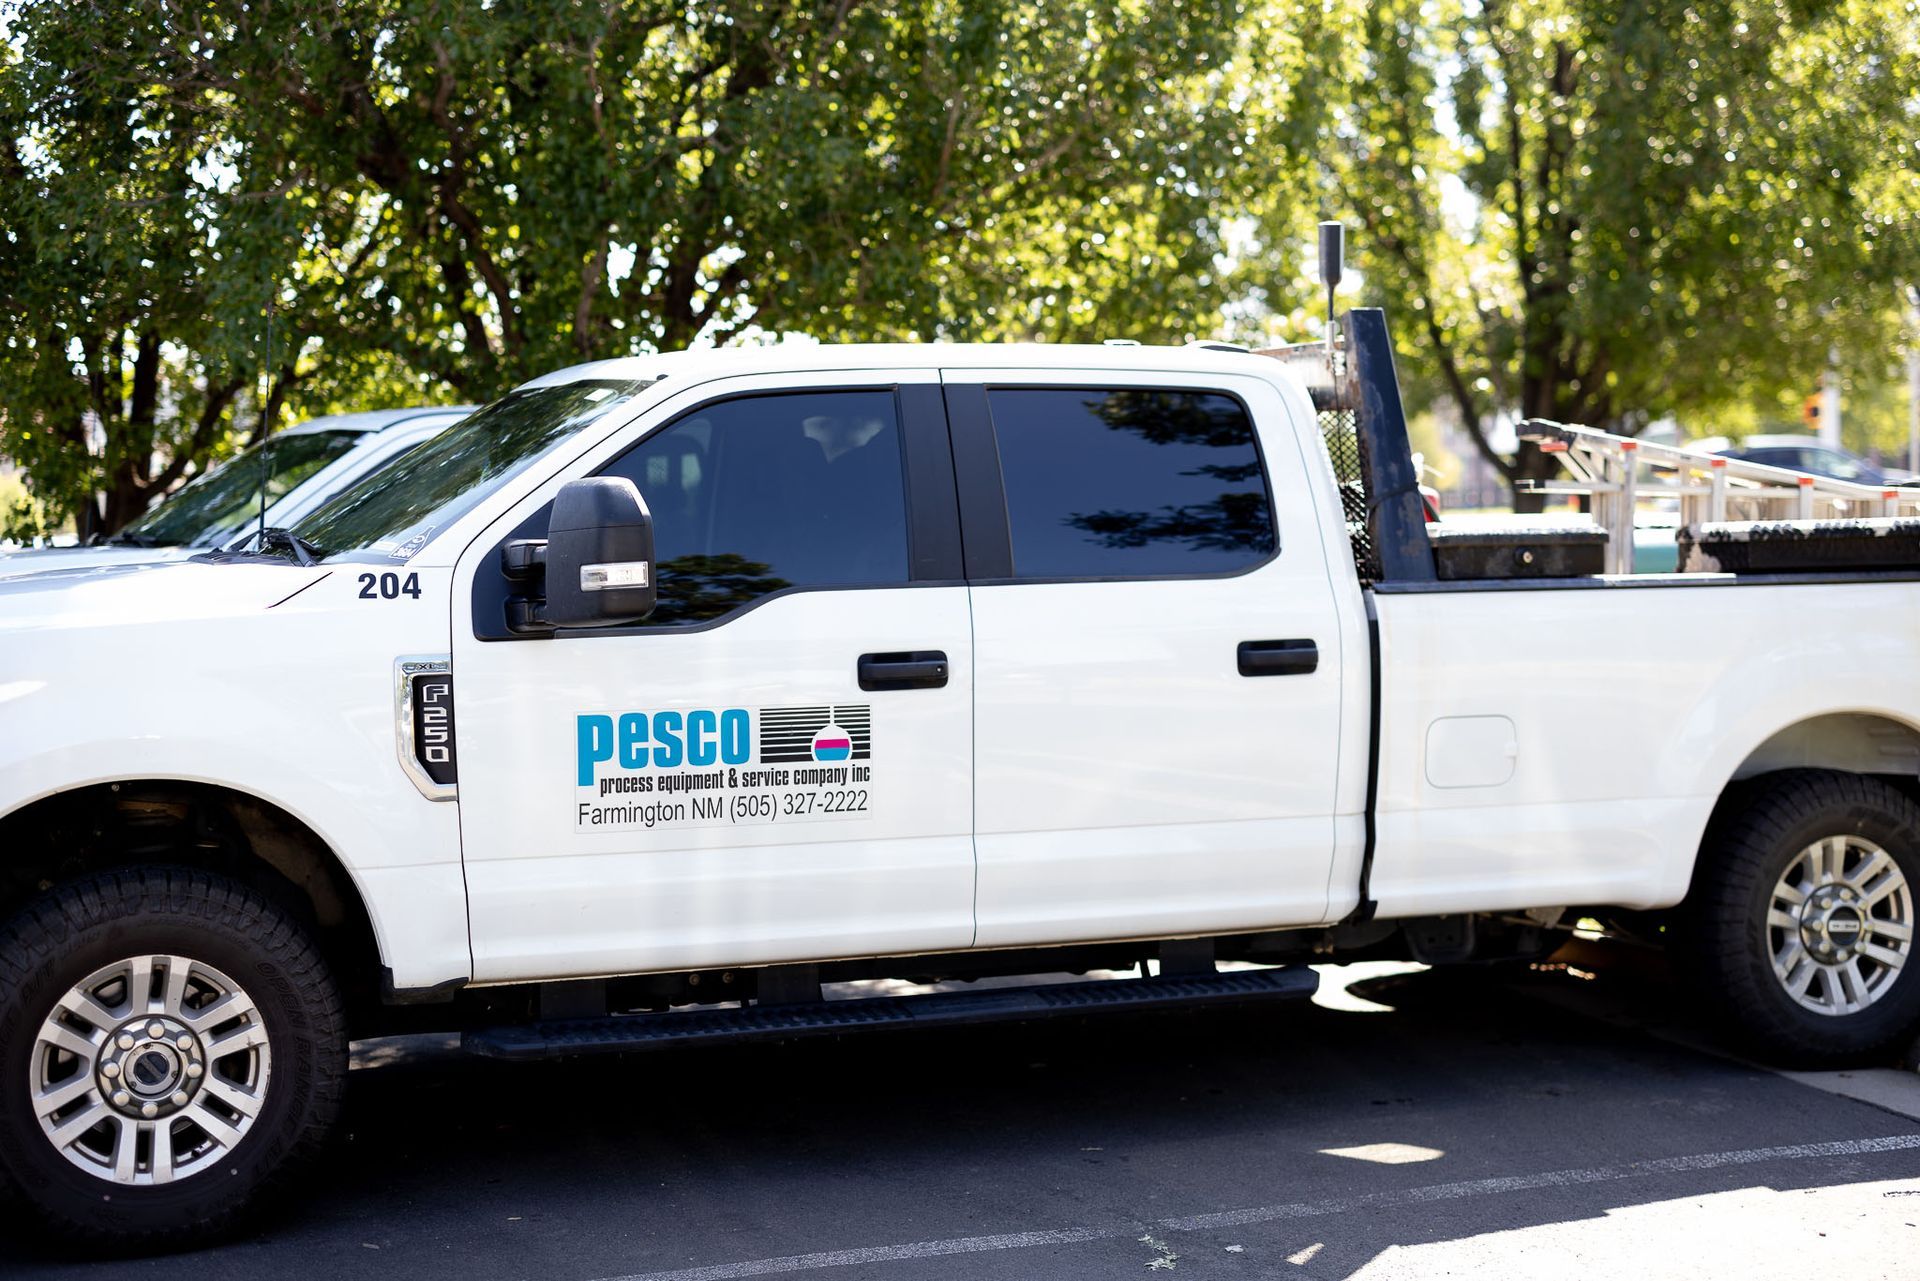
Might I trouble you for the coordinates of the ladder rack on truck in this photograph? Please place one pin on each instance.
(1735, 516)
(1606, 468)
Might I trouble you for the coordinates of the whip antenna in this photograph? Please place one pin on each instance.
(266, 446)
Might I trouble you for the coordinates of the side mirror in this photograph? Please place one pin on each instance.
(599, 554)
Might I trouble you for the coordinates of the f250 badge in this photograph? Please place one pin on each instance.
(703, 767)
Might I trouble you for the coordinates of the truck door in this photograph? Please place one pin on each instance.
(776, 766)
(1157, 657)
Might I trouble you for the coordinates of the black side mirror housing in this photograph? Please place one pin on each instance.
(599, 559)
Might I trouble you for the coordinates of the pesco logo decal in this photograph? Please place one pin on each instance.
(802, 733)
(684, 767)
(664, 740)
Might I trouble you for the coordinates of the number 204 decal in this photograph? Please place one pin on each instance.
(389, 586)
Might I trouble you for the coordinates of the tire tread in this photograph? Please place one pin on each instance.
(1714, 934)
(36, 939)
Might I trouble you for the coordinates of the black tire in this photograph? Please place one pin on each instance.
(67, 935)
(1722, 943)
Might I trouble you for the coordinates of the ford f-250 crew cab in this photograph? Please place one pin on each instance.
(704, 679)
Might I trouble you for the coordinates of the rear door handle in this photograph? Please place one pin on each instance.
(910, 669)
(1278, 657)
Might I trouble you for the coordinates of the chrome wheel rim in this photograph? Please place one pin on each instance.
(150, 1070)
(1840, 925)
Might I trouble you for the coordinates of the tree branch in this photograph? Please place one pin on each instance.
(201, 439)
(449, 186)
(591, 280)
(1450, 371)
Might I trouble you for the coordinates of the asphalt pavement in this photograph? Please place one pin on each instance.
(1482, 1124)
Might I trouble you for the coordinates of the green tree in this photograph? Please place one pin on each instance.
(557, 181)
(1607, 211)
(137, 270)
(465, 196)
(93, 261)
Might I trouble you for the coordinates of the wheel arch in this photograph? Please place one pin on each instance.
(213, 827)
(1849, 740)
(1852, 742)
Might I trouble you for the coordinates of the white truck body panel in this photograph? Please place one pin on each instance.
(228, 689)
(551, 898)
(1632, 707)
(1127, 775)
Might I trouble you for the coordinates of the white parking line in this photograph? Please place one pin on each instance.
(1273, 1213)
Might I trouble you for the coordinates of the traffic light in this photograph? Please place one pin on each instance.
(1810, 410)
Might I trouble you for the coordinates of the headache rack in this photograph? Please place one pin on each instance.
(1356, 395)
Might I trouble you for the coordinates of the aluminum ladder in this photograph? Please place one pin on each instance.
(1606, 469)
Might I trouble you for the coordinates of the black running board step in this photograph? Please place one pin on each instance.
(630, 1032)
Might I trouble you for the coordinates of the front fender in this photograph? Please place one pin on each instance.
(292, 706)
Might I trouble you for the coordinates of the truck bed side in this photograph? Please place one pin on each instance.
(1626, 713)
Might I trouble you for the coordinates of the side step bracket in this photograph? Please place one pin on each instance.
(627, 1033)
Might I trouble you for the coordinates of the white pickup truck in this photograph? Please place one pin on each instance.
(666, 690)
(299, 468)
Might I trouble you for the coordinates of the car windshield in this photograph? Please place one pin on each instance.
(391, 514)
(219, 502)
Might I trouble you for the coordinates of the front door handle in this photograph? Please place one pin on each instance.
(910, 669)
(1278, 657)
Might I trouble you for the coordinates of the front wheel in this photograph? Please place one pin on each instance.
(1799, 929)
(171, 1045)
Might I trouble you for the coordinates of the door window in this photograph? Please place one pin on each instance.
(764, 493)
(1130, 483)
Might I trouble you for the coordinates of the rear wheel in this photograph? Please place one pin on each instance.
(1800, 926)
(171, 1046)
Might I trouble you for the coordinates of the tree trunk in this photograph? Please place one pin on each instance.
(86, 519)
(124, 502)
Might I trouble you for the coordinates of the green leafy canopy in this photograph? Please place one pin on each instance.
(1597, 210)
(1608, 211)
(444, 199)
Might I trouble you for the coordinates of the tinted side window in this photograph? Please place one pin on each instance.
(1130, 483)
(763, 493)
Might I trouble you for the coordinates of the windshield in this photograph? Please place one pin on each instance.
(391, 514)
(220, 501)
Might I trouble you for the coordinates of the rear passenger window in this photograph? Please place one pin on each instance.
(1130, 483)
(763, 493)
